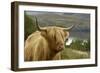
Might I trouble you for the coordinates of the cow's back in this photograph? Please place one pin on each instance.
(36, 47)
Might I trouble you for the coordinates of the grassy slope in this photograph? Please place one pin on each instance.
(69, 53)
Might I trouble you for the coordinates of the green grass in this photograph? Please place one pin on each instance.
(69, 53)
(77, 50)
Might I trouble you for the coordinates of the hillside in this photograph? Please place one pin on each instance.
(69, 53)
(82, 21)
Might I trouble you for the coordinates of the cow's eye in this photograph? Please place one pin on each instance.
(66, 40)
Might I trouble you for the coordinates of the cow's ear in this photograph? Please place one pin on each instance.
(44, 33)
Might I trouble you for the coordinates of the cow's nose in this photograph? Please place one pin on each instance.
(61, 46)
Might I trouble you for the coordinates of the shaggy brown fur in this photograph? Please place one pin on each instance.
(45, 45)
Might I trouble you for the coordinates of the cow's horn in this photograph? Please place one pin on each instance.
(68, 28)
(38, 27)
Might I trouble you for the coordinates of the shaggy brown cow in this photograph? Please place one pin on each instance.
(46, 43)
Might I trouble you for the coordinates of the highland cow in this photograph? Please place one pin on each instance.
(46, 43)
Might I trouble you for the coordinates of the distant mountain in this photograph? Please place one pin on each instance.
(82, 21)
